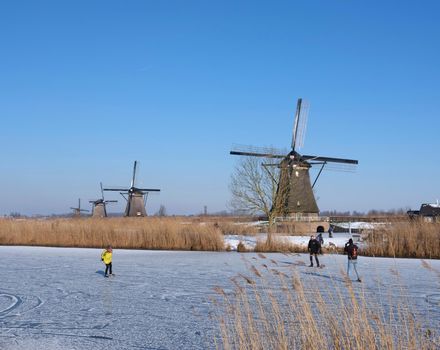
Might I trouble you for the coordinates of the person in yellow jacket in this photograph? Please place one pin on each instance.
(106, 257)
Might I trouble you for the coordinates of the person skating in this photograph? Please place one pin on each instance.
(330, 231)
(106, 257)
(352, 253)
(319, 238)
(314, 248)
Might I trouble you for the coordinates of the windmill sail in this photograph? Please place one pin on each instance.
(266, 152)
(300, 124)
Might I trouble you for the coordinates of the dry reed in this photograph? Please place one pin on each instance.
(406, 239)
(237, 228)
(128, 233)
(276, 311)
(279, 246)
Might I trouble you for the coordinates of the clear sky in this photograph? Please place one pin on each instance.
(87, 87)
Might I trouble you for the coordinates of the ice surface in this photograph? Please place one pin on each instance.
(55, 298)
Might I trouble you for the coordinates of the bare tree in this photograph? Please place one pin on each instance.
(254, 186)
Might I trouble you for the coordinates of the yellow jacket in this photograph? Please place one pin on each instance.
(106, 256)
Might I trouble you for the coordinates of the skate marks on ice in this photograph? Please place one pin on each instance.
(8, 303)
(433, 299)
(13, 305)
(18, 320)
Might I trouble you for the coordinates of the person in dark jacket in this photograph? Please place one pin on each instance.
(351, 250)
(314, 247)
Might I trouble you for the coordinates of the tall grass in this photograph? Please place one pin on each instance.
(273, 310)
(298, 228)
(278, 246)
(408, 239)
(136, 233)
(402, 238)
(228, 227)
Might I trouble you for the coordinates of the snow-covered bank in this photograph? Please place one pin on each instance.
(338, 240)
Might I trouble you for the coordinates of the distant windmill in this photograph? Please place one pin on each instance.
(135, 197)
(99, 209)
(77, 211)
(295, 191)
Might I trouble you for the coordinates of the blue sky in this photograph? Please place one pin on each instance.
(87, 87)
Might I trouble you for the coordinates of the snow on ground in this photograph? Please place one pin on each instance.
(360, 225)
(57, 298)
(338, 240)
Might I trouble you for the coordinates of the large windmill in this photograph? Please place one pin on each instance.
(135, 197)
(99, 206)
(77, 211)
(295, 191)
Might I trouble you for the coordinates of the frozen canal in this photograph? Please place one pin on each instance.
(55, 298)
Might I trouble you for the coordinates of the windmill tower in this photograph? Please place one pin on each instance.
(77, 211)
(294, 195)
(99, 206)
(135, 197)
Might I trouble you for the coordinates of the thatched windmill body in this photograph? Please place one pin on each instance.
(77, 211)
(99, 206)
(136, 197)
(295, 189)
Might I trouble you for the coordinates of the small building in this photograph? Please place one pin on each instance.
(429, 212)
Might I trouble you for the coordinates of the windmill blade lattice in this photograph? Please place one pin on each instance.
(300, 124)
(268, 152)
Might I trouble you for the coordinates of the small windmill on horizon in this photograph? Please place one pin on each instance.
(77, 211)
(136, 197)
(294, 189)
(99, 206)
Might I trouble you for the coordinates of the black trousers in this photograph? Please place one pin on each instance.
(316, 258)
(108, 268)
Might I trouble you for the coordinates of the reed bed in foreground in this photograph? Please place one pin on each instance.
(274, 310)
(128, 233)
(405, 239)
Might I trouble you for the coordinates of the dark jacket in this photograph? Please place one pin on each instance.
(314, 246)
(352, 251)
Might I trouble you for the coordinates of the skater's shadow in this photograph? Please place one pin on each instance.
(324, 276)
(100, 272)
(294, 263)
